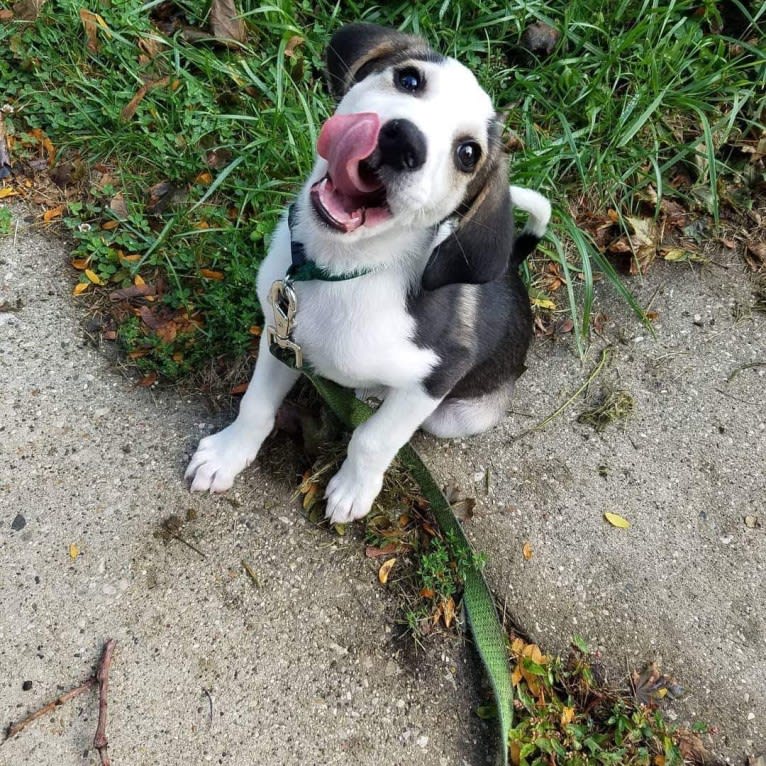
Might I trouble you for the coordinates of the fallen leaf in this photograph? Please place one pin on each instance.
(448, 611)
(148, 380)
(643, 240)
(616, 520)
(130, 108)
(292, 44)
(527, 551)
(205, 178)
(544, 303)
(118, 207)
(74, 551)
(109, 225)
(55, 212)
(80, 288)
(211, 274)
(80, 263)
(373, 552)
(567, 714)
(6, 15)
(225, 22)
(385, 570)
(27, 10)
(256, 330)
(93, 277)
(91, 22)
(7, 191)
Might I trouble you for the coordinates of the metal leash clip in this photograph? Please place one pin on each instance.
(284, 304)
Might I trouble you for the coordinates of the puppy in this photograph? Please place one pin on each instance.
(413, 289)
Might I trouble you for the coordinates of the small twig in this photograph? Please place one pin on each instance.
(605, 353)
(739, 369)
(187, 543)
(102, 675)
(210, 706)
(14, 728)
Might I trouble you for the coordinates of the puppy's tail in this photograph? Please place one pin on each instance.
(539, 210)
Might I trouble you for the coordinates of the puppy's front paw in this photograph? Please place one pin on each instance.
(350, 493)
(219, 458)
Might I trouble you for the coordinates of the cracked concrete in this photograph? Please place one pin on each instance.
(211, 668)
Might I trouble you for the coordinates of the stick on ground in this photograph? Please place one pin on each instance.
(14, 728)
(102, 675)
(102, 679)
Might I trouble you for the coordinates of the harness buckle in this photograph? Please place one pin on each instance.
(284, 304)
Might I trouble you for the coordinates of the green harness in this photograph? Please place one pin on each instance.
(488, 634)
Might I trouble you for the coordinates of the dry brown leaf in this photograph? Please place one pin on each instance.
(110, 225)
(205, 178)
(118, 207)
(148, 380)
(448, 611)
(80, 263)
(212, 274)
(6, 15)
(130, 108)
(55, 212)
(385, 570)
(91, 22)
(225, 22)
(27, 10)
(527, 551)
(292, 44)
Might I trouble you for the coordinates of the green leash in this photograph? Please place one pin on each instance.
(488, 634)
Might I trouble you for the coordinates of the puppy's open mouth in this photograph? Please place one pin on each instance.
(350, 195)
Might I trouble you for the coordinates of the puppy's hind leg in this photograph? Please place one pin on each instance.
(220, 457)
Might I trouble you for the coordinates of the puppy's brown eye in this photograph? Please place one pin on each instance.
(408, 79)
(467, 155)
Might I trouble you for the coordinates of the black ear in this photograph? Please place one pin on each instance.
(479, 249)
(356, 50)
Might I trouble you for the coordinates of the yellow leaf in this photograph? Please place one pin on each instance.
(385, 570)
(7, 192)
(516, 676)
(256, 330)
(617, 521)
(674, 254)
(527, 551)
(80, 288)
(544, 303)
(567, 714)
(93, 277)
(138, 281)
(204, 178)
(130, 258)
(74, 551)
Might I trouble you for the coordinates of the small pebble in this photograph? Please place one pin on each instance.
(26, 686)
(18, 523)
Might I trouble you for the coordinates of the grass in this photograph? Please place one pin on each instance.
(636, 103)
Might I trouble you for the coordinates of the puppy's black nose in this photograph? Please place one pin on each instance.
(402, 145)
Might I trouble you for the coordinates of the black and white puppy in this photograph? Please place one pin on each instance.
(409, 193)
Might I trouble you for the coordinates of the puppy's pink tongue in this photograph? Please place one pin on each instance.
(344, 141)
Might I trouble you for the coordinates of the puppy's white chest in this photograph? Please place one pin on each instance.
(359, 333)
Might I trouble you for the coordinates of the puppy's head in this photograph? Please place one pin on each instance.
(413, 143)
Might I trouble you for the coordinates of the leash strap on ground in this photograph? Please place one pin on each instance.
(479, 604)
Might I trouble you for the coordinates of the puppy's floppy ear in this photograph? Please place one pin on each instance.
(356, 50)
(479, 248)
